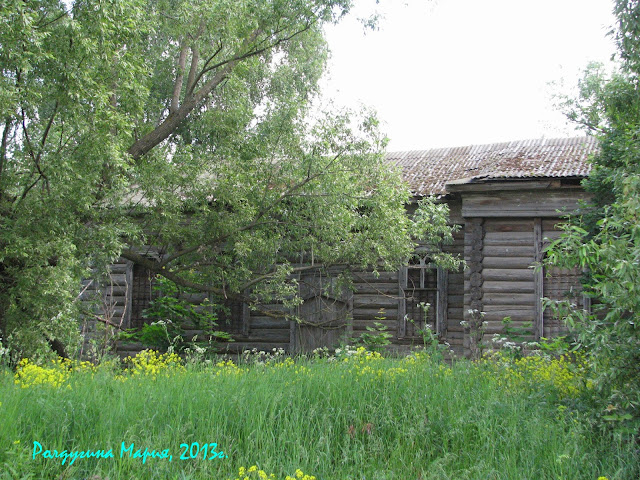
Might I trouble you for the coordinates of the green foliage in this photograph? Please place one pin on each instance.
(170, 312)
(123, 125)
(430, 339)
(516, 333)
(605, 241)
(377, 335)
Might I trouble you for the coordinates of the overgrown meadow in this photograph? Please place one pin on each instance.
(352, 415)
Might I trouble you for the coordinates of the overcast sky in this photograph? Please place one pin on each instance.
(445, 73)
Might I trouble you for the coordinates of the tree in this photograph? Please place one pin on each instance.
(605, 240)
(186, 126)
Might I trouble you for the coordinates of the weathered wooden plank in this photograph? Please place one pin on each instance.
(507, 262)
(120, 267)
(119, 300)
(455, 288)
(382, 277)
(402, 304)
(509, 299)
(391, 324)
(492, 286)
(118, 279)
(538, 279)
(455, 300)
(508, 251)
(442, 301)
(501, 311)
(126, 318)
(390, 288)
(373, 313)
(269, 335)
(259, 323)
(514, 225)
(549, 224)
(375, 301)
(509, 238)
(508, 274)
(543, 203)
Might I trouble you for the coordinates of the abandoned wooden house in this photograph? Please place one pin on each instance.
(507, 199)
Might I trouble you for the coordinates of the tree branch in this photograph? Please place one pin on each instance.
(3, 148)
(156, 267)
(195, 57)
(177, 87)
(174, 119)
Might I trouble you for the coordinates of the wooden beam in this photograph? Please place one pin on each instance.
(128, 294)
(442, 302)
(402, 301)
(538, 278)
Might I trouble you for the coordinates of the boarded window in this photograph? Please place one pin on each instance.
(141, 291)
(231, 318)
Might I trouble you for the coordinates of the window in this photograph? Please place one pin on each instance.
(141, 291)
(422, 283)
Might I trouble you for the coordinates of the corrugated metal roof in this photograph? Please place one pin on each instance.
(428, 171)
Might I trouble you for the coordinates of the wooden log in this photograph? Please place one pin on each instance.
(508, 299)
(538, 280)
(502, 312)
(501, 251)
(520, 203)
(376, 288)
(259, 323)
(375, 301)
(456, 288)
(269, 335)
(513, 239)
(373, 313)
(507, 262)
(511, 226)
(456, 330)
(455, 300)
(550, 224)
(115, 268)
(383, 277)
(508, 274)
(361, 325)
(492, 286)
(115, 300)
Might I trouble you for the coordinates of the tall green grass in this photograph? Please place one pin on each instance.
(359, 418)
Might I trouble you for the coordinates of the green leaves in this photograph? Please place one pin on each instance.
(605, 241)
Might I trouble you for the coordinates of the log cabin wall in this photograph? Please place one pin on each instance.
(508, 224)
(506, 198)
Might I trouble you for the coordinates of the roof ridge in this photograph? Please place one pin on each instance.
(524, 142)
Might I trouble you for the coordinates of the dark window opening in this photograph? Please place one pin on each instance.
(230, 317)
(141, 294)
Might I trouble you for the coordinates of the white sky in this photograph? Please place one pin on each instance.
(446, 73)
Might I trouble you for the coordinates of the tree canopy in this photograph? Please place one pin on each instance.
(605, 241)
(188, 126)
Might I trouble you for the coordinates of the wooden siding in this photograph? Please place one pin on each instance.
(373, 293)
(510, 247)
(521, 204)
